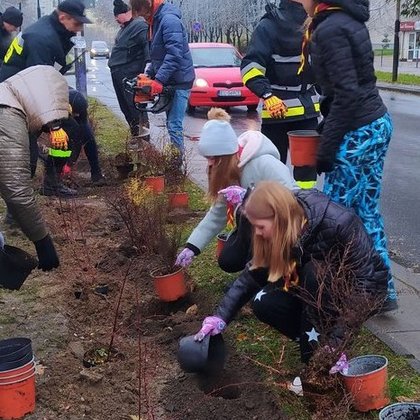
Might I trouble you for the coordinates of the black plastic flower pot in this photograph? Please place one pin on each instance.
(15, 267)
(13, 349)
(124, 170)
(102, 289)
(14, 364)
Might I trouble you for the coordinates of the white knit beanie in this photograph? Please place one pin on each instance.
(217, 136)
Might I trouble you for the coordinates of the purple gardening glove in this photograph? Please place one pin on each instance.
(212, 325)
(185, 258)
(234, 194)
(342, 365)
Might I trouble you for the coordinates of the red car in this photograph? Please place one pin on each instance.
(218, 80)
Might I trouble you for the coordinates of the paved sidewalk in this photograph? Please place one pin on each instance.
(400, 329)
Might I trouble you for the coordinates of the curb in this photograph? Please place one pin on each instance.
(412, 90)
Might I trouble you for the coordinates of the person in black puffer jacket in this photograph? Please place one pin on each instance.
(356, 129)
(297, 235)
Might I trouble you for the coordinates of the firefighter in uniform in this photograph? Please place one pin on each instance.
(269, 69)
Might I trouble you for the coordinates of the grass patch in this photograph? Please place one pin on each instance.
(404, 79)
(111, 132)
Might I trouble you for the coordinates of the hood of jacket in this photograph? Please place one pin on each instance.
(358, 9)
(287, 9)
(167, 9)
(41, 92)
(253, 144)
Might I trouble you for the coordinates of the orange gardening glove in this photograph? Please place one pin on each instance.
(59, 139)
(275, 106)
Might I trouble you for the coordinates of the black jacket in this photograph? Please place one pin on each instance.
(131, 46)
(342, 60)
(5, 40)
(45, 42)
(330, 226)
(272, 61)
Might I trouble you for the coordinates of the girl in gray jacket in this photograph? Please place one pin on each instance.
(232, 161)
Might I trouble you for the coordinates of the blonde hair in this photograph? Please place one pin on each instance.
(271, 200)
(225, 171)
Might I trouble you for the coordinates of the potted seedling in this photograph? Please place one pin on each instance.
(169, 280)
(124, 165)
(151, 167)
(96, 356)
(176, 175)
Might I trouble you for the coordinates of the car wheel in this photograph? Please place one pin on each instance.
(252, 108)
(92, 57)
(190, 109)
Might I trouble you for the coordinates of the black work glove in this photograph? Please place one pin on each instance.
(47, 255)
(324, 166)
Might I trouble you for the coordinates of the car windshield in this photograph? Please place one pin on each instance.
(215, 57)
(99, 44)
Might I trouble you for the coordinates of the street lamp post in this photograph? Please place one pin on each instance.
(38, 9)
(396, 53)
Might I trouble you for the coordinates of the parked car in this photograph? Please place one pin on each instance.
(99, 49)
(218, 80)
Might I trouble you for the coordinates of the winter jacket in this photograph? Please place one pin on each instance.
(28, 100)
(272, 61)
(259, 161)
(171, 61)
(329, 226)
(342, 61)
(5, 40)
(45, 42)
(131, 46)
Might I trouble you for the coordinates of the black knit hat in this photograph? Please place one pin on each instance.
(12, 16)
(120, 7)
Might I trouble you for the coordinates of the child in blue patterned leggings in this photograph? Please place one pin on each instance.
(356, 129)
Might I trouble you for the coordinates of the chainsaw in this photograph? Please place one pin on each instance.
(140, 88)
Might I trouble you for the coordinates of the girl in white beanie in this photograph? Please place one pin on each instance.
(232, 162)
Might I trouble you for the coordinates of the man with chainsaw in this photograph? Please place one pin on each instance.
(171, 61)
(10, 21)
(128, 59)
(269, 69)
(33, 100)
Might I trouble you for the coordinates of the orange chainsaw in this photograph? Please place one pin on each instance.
(140, 87)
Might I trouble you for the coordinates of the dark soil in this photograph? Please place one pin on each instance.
(93, 248)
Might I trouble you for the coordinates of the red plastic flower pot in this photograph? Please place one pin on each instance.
(367, 382)
(156, 183)
(178, 200)
(303, 147)
(221, 240)
(170, 287)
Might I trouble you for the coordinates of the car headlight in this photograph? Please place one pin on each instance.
(201, 83)
(107, 50)
(93, 51)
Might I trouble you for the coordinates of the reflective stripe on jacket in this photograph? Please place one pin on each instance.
(272, 62)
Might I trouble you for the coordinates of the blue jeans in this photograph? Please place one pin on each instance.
(175, 118)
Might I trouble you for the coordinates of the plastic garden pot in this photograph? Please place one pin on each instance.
(15, 267)
(367, 382)
(170, 287)
(221, 240)
(178, 200)
(17, 396)
(303, 147)
(156, 183)
(16, 364)
(13, 349)
(207, 356)
(124, 170)
(401, 411)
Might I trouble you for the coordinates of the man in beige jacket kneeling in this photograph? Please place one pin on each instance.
(32, 100)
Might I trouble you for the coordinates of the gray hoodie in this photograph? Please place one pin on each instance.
(259, 161)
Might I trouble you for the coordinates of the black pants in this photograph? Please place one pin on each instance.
(277, 133)
(287, 313)
(132, 115)
(80, 132)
